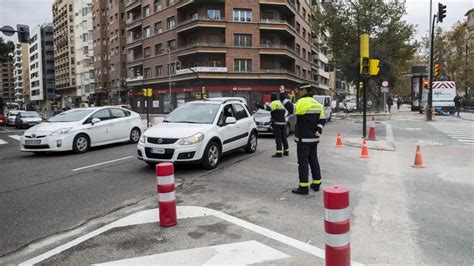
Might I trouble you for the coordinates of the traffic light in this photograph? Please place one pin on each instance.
(441, 12)
(147, 92)
(426, 84)
(437, 70)
(374, 67)
(203, 93)
(23, 32)
(365, 66)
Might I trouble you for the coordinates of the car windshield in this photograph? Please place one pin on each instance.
(261, 113)
(29, 114)
(13, 113)
(198, 113)
(71, 115)
(319, 99)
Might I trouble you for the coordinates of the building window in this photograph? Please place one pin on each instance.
(158, 28)
(193, 16)
(298, 71)
(243, 40)
(147, 72)
(146, 32)
(170, 2)
(215, 63)
(298, 48)
(242, 65)
(171, 23)
(243, 15)
(298, 6)
(172, 45)
(157, 5)
(304, 13)
(304, 54)
(158, 71)
(298, 27)
(147, 52)
(214, 14)
(171, 69)
(146, 11)
(304, 33)
(158, 49)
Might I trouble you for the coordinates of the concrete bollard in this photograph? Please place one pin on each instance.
(166, 194)
(337, 226)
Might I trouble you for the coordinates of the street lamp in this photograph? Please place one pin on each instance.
(357, 65)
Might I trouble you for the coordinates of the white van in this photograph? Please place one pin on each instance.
(325, 101)
(443, 96)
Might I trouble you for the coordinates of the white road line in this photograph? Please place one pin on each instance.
(241, 253)
(389, 132)
(15, 137)
(3, 142)
(184, 212)
(97, 164)
(462, 137)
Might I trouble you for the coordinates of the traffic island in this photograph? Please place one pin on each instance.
(380, 145)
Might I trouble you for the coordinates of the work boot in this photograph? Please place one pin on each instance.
(300, 191)
(286, 153)
(277, 155)
(315, 187)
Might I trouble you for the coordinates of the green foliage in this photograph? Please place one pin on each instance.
(6, 50)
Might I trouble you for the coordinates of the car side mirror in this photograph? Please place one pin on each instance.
(230, 120)
(95, 121)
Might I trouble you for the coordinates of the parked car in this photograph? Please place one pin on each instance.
(82, 128)
(27, 119)
(200, 132)
(350, 104)
(11, 117)
(325, 101)
(3, 119)
(264, 126)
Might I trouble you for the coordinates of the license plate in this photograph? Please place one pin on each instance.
(261, 128)
(158, 150)
(32, 141)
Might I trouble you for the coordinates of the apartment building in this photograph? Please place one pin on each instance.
(7, 87)
(64, 52)
(84, 50)
(231, 48)
(109, 41)
(21, 73)
(41, 67)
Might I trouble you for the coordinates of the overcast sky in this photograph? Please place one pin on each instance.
(34, 12)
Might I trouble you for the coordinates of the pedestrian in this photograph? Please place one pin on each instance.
(310, 120)
(278, 120)
(399, 102)
(457, 103)
(389, 103)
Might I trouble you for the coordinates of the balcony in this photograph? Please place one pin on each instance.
(202, 69)
(135, 78)
(131, 4)
(202, 47)
(275, 70)
(202, 21)
(281, 49)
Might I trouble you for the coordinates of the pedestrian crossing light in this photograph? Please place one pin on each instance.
(426, 84)
(374, 67)
(203, 94)
(365, 66)
(147, 92)
(23, 32)
(437, 70)
(441, 12)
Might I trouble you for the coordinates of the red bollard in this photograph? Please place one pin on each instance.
(166, 194)
(337, 226)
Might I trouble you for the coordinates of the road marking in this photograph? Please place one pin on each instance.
(15, 137)
(3, 142)
(388, 128)
(97, 164)
(292, 163)
(242, 253)
(184, 212)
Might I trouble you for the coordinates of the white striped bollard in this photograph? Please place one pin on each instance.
(166, 194)
(337, 226)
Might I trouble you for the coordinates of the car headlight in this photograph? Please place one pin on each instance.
(142, 139)
(196, 138)
(61, 131)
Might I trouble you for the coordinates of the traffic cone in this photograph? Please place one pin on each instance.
(364, 152)
(418, 159)
(339, 140)
(372, 130)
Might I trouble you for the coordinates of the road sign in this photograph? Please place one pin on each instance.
(384, 89)
(384, 83)
(7, 30)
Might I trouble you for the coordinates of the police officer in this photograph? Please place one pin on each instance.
(278, 124)
(310, 119)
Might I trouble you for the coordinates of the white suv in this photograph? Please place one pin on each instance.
(200, 131)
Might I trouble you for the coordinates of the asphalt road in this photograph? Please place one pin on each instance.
(400, 215)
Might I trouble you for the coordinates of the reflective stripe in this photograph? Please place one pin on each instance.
(320, 126)
(165, 180)
(337, 241)
(285, 101)
(279, 151)
(336, 216)
(279, 123)
(317, 182)
(287, 150)
(313, 112)
(309, 140)
(302, 184)
(166, 196)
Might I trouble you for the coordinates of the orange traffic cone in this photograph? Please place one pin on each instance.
(364, 152)
(372, 130)
(339, 140)
(418, 159)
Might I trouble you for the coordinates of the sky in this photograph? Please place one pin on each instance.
(34, 12)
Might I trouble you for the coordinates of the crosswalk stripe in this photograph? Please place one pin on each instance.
(15, 137)
(3, 142)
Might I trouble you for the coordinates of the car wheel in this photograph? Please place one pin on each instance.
(80, 144)
(211, 156)
(135, 135)
(252, 143)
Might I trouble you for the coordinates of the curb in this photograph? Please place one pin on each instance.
(380, 145)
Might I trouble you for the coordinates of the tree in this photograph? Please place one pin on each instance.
(391, 38)
(6, 50)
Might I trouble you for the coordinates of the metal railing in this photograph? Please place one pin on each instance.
(203, 44)
(199, 18)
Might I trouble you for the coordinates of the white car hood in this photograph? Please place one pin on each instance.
(50, 127)
(176, 130)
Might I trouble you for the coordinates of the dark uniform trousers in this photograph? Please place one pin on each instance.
(280, 138)
(307, 154)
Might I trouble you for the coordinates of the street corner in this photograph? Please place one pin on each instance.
(202, 236)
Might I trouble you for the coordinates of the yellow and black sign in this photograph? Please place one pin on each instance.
(148, 92)
(374, 67)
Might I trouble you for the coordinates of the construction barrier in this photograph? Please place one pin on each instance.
(166, 194)
(339, 140)
(364, 153)
(337, 226)
(372, 130)
(418, 159)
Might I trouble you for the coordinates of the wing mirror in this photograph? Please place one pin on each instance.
(95, 121)
(230, 120)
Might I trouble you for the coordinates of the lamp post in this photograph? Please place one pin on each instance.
(169, 75)
(357, 65)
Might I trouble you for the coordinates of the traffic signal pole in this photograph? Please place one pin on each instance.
(429, 115)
